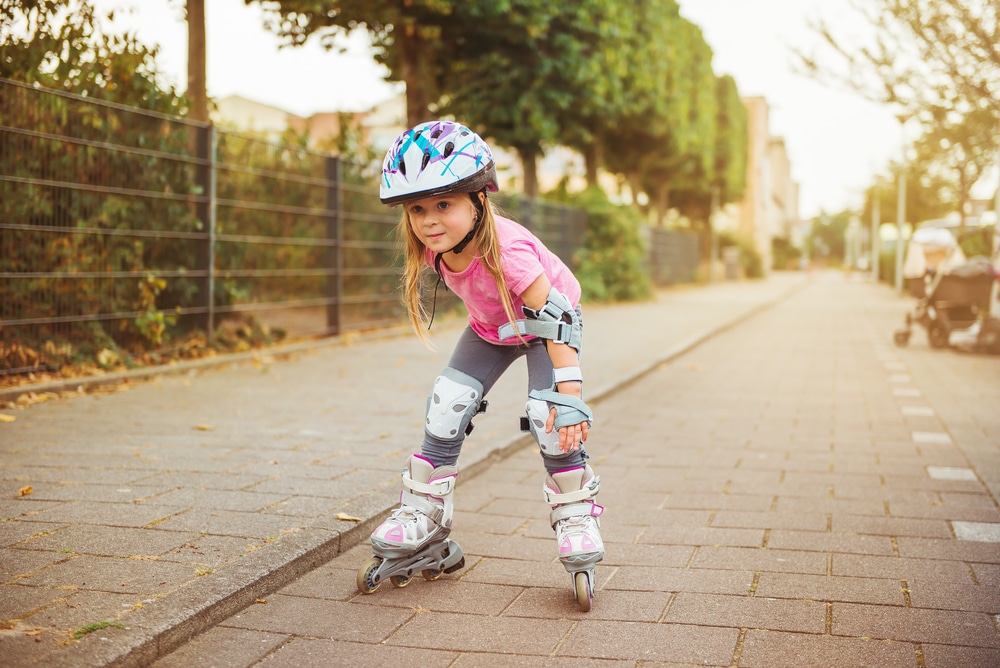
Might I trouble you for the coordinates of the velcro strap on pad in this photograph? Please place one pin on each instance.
(569, 409)
(557, 321)
(566, 374)
(560, 332)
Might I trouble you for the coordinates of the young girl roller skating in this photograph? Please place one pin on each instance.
(441, 174)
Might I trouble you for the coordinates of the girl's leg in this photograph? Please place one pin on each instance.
(475, 366)
(540, 378)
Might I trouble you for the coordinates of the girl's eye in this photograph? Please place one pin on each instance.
(443, 205)
(416, 209)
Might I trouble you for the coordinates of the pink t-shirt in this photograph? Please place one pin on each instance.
(524, 258)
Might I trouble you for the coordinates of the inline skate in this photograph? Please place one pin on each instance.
(415, 537)
(575, 520)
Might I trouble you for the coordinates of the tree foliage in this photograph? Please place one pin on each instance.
(628, 84)
(936, 60)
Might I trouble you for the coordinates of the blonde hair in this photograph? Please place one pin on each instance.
(415, 270)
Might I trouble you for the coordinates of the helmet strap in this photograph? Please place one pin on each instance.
(460, 246)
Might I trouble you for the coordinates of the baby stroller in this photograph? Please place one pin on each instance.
(955, 302)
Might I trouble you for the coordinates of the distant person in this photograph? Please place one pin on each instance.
(441, 174)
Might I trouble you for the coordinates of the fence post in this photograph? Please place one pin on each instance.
(204, 145)
(213, 174)
(334, 251)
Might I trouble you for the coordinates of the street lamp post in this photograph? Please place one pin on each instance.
(713, 240)
(876, 223)
(901, 205)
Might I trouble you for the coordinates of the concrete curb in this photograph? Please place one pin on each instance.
(218, 596)
(88, 382)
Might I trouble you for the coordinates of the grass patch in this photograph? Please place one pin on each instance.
(96, 626)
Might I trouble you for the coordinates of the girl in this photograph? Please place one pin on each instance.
(441, 173)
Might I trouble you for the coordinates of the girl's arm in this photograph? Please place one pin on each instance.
(562, 355)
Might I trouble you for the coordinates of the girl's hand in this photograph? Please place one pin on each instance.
(570, 436)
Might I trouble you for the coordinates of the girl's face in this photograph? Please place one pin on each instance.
(442, 221)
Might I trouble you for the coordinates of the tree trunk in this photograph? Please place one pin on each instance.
(197, 91)
(417, 100)
(635, 185)
(662, 204)
(593, 158)
(530, 166)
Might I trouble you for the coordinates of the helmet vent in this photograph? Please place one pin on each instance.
(437, 133)
(426, 160)
(449, 148)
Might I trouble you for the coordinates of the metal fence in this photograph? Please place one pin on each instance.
(118, 223)
(673, 256)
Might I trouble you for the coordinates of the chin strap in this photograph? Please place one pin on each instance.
(459, 247)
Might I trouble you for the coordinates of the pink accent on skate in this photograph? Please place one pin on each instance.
(393, 533)
(572, 468)
(587, 544)
(596, 510)
(419, 456)
(565, 546)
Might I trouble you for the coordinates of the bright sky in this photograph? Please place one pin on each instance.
(836, 140)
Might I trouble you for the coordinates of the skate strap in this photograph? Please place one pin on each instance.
(576, 510)
(420, 503)
(438, 487)
(569, 409)
(588, 492)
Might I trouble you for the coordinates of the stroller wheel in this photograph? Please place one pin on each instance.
(989, 337)
(938, 334)
(901, 337)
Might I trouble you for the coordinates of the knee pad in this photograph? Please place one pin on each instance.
(538, 413)
(569, 411)
(456, 398)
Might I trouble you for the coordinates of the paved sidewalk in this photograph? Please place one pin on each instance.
(793, 492)
(165, 509)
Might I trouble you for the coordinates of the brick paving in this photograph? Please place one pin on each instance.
(793, 491)
(164, 506)
(772, 500)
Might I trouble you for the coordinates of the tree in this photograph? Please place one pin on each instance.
(688, 161)
(61, 45)
(524, 72)
(641, 130)
(927, 194)
(404, 36)
(937, 60)
(197, 91)
(959, 148)
(926, 54)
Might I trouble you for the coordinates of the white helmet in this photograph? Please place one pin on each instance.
(436, 158)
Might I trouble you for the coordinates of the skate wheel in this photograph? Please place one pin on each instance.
(366, 583)
(431, 574)
(400, 580)
(584, 592)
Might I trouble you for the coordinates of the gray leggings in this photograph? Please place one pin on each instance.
(486, 362)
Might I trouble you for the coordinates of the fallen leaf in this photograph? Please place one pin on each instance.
(204, 427)
(261, 600)
(25, 491)
(348, 518)
(6, 418)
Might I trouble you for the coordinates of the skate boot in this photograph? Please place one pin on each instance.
(578, 534)
(415, 537)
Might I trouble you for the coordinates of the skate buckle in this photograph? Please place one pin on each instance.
(437, 487)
